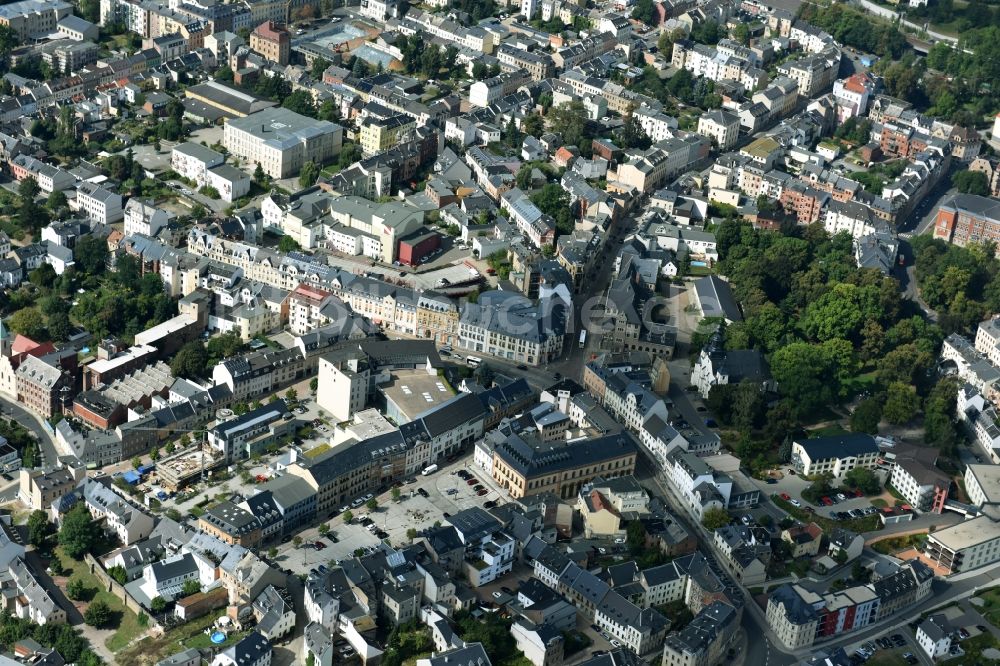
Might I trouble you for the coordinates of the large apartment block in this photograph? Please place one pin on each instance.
(282, 141)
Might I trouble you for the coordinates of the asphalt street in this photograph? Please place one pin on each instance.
(46, 444)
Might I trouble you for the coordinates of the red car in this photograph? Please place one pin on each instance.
(785, 496)
(482, 492)
(471, 482)
(858, 493)
(827, 501)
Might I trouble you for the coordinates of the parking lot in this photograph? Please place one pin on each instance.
(897, 647)
(792, 485)
(446, 493)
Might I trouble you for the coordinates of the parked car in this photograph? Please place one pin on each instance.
(826, 501)
(771, 480)
(795, 502)
(489, 504)
(423, 493)
(482, 492)
(842, 497)
(477, 487)
(786, 497)
(319, 545)
(470, 482)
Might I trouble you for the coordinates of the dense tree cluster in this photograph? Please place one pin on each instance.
(125, 304)
(971, 182)
(829, 330)
(63, 637)
(961, 284)
(78, 533)
(553, 200)
(570, 121)
(420, 57)
(855, 28)
(682, 86)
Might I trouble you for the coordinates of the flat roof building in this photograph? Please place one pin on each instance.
(282, 141)
(968, 545)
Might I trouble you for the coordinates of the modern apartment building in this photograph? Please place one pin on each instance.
(968, 545)
(836, 455)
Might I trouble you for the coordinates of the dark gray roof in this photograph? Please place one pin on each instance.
(474, 523)
(838, 446)
(796, 609)
(249, 650)
(533, 460)
(716, 298)
(697, 637)
(472, 654)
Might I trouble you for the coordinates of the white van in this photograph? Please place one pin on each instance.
(430, 469)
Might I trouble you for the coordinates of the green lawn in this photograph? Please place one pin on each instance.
(879, 503)
(124, 622)
(991, 609)
(887, 658)
(828, 431)
(191, 634)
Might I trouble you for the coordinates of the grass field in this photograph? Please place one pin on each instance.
(124, 622)
(190, 635)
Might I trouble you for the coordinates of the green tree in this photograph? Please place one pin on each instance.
(28, 322)
(56, 201)
(191, 361)
(59, 326)
(715, 518)
(348, 516)
(901, 403)
(79, 533)
(395, 493)
(28, 189)
(569, 119)
(864, 480)
(158, 604)
(319, 66)
(136, 462)
(38, 527)
(90, 255)
(308, 174)
(300, 102)
(533, 124)
(971, 182)
(411, 534)
(296, 541)
(259, 176)
(76, 589)
(191, 586)
(288, 244)
(372, 504)
(314, 384)
(553, 200)
(98, 614)
(291, 396)
(866, 416)
(324, 529)
(119, 574)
